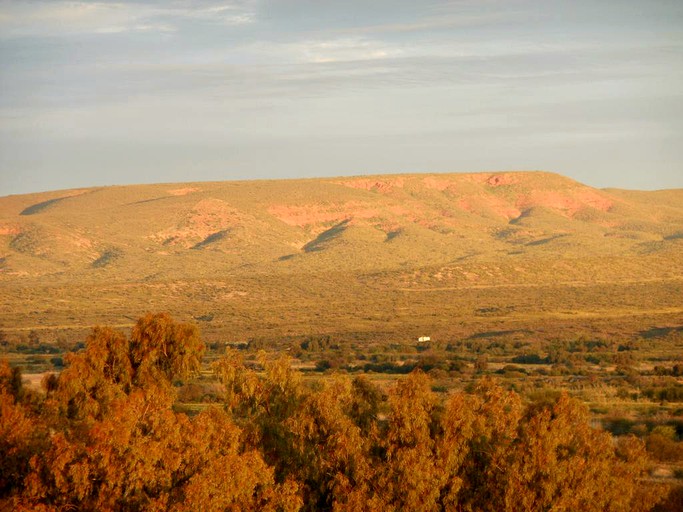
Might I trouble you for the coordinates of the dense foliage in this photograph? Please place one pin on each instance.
(105, 436)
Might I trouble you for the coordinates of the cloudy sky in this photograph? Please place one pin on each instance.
(101, 93)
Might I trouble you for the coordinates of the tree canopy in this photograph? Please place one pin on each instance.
(104, 435)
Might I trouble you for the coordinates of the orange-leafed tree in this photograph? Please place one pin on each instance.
(478, 431)
(409, 477)
(164, 350)
(159, 352)
(560, 461)
(93, 378)
(329, 454)
(22, 434)
(219, 473)
(261, 405)
(105, 436)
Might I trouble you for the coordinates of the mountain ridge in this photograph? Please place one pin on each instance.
(366, 253)
(72, 229)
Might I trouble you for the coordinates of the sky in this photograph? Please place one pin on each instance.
(122, 92)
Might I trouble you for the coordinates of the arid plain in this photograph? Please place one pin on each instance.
(383, 258)
(473, 329)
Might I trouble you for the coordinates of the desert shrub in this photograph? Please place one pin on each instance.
(510, 370)
(200, 393)
(38, 348)
(316, 343)
(662, 445)
(57, 362)
(618, 426)
(672, 393)
(437, 374)
(106, 436)
(530, 359)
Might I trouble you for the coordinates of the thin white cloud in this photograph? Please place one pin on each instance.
(226, 13)
(431, 23)
(59, 18)
(332, 85)
(324, 51)
(63, 18)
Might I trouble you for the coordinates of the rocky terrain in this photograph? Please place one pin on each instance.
(361, 254)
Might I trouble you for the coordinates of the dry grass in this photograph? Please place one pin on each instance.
(383, 258)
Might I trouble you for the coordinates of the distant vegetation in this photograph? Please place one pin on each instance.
(108, 433)
(384, 256)
(546, 303)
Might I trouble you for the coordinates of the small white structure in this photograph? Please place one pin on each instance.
(422, 339)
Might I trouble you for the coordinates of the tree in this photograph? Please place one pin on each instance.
(364, 404)
(119, 445)
(21, 434)
(159, 352)
(409, 477)
(219, 473)
(162, 349)
(558, 458)
(94, 377)
(106, 437)
(328, 451)
(479, 430)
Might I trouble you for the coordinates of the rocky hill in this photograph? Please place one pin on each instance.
(187, 246)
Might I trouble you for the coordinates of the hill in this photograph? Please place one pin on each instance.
(374, 256)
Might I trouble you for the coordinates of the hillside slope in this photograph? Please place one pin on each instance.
(175, 246)
(363, 223)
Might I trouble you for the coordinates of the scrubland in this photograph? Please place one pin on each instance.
(547, 304)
